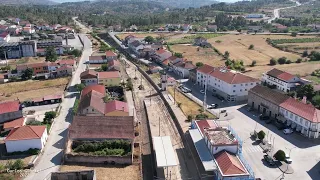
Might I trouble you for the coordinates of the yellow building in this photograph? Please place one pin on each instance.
(109, 78)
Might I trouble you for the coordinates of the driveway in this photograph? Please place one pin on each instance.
(51, 156)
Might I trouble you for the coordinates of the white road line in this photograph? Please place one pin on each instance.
(252, 149)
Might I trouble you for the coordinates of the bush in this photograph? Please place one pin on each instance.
(282, 60)
(201, 116)
(251, 46)
(48, 116)
(288, 61)
(261, 135)
(280, 155)
(199, 64)
(299, 60)
(129, 85)
(190, 118)
(273, 62)
(254, 62)
(75, 106)
(305, 54)
(34, 123)
(294, 34)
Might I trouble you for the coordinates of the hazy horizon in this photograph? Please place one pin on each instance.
(62, 1)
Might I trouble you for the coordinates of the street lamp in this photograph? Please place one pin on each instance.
(290, 150)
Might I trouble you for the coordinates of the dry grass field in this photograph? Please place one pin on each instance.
(32, 89)
(303, 69)
(204, 55)
(108, 173)
(188, 106)
(166, 36)
(300, 47)
(238, 46)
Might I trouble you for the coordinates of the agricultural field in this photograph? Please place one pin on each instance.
(303, 69)
(25, 90)
(238, 47)
(190, 39)
(195, 54)
(298, 45)
(108, 173)
(166, 36)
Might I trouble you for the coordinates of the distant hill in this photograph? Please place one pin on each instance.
(27, 2)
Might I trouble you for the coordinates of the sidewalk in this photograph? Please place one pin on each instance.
(132, 110)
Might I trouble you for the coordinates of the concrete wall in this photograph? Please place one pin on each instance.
(23, 145)
(79, 175)
(10, 116)
(69, 158)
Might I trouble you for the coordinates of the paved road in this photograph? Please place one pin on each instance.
(51, 157)
(276, 12)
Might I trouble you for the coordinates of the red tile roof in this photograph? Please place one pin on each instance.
(14, 124)
(64, 68)
(98, 88)
(100, 58)
(185, 65)
(9, 106)
(160, 51)
(102, 127)
(26, 132)
(34, 65)
(306, 111)
(110, 54)
(116, 106)
(92, 99)
(88, 74)
(108, 74)
(113, 63)
(280, 74)
(231, 77)
(205, 69)
(205, 124)
(229, 164)
(66, 62)
(1, 76)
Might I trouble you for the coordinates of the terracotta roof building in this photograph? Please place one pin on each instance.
(102, 127)
(10, 110)
(109, 78)
(116, 108)
(110, 55)
(89, 77)
(14, 124)
(113, 65)
(26, 137)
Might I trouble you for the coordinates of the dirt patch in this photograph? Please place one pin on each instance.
(108, 173)
(188, 107)
(198, 54)
(32, 89)
(238, 46)
(302, 69)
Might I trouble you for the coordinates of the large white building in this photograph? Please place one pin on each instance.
(231, 85)
(26, 137)
(300, 116)
(282, 80)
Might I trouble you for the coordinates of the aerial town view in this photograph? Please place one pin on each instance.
(160, 89)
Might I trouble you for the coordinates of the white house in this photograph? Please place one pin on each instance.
(302, 117)
(26, 137)
(89, 77)
(161, 55)
(182, 68)
(231, 85)
(136, 46)
(97, 59)
(281, 80)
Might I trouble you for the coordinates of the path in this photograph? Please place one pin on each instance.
(276, 12)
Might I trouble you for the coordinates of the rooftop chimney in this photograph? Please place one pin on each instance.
(304, 99)
(123, 108)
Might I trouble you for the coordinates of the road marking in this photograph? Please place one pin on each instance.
(252, 149)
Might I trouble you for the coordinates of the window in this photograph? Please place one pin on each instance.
(286, 112)
(245, 89)
(307, 123)
(240, 90)
(296, 118)
(234, 85)
(241, 84)
(234, 90)
(251, 83)
(219, 80)
(301, 120)
(92, 110)
(246, 84)
(291, 115)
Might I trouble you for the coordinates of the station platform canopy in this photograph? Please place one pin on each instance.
(202, 150)
(165, 154)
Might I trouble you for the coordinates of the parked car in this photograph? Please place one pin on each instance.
(268, 159)
(212, 106)
(202, 91)
(287, 131)
(263, 117)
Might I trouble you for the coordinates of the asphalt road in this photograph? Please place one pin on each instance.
(51, 157)
(276, 12)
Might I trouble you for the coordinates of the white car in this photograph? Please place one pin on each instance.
(202, 91)
(287, 131)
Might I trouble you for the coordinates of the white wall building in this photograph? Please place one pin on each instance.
(182, 68)
(26, 137)
(232, 86)
(281, 80)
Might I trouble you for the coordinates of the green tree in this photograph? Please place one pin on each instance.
(149, 39)
(261, 135)
(226, 55)
(199, 64)
(305, 90)
(316, 101)
(51, 54)
(48, 116)
(79, 87)
(179, 55)
(299, 60)
(305, 54)
(104, 67)
(254, 62)
(273, 62)
(280, 155)
(27, 74)
(288, 61)
(190, 118)
(282, 60)
(76, 52)
(251, 46)
(18, 164)
(294, 34)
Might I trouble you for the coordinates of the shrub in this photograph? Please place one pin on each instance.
(253, 63)
(273, 62)
(282, 60)
(299, 60)
(18, 164)
(280, 155)
(48, 116)
(251, 46)
(261, 135)
(179, 104)
(34, 123)
(288, 61)
(305, 54)
(179, 55)
(129, 84)
(189, 118)
(199, 64)
(201, 116)
(294, 34)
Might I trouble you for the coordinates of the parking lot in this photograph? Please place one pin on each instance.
(305, 152)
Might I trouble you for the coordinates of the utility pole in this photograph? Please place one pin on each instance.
(205, 93)
(150, 97)
(174, 95)
(159, 126)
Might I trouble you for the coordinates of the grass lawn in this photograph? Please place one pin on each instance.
(188, 106)
(32, 89)
(108, 173)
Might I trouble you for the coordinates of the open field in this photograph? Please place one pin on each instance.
(300, 47)
(238, 46)
(302, 69)
(204, 55)
(190, 38)
(32, 89)
(108, 173)
(166, 36)
(188, 107)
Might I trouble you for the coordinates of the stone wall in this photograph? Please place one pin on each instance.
(71, 158)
